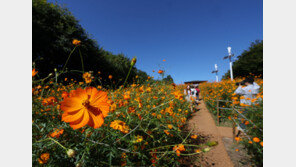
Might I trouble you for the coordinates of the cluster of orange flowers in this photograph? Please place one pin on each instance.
(87, 77)
(224, 91)
(119, 125)
(79, 105)
(179, 148)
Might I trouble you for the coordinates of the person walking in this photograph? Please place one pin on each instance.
(197, 92)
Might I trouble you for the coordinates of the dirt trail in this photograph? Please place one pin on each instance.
(203, 123)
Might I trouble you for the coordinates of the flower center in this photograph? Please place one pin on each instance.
(85, 103)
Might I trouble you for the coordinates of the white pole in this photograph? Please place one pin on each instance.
(217, 80)
(231, 73)
(230, 63)
(216, 68)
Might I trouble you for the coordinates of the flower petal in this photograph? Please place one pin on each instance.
(96, 121)
(71, 104)
(84, 121)
(67, 117)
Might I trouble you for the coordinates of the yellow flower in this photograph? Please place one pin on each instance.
(198, 151)
(139, 139)
(170, 126)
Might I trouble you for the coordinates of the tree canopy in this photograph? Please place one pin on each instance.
(249, 62)
(168, 79)
(54, 28)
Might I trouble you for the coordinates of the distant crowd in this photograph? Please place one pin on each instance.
(192, 93)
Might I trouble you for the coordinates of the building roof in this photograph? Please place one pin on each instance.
(194, 82)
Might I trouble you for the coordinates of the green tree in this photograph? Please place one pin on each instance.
(250, 61)
(54, 28)
(168, 79)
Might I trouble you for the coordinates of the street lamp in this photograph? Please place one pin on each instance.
(230, 62)
(216, 71)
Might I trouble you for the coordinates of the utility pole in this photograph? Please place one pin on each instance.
(216, 71)
(230, 62)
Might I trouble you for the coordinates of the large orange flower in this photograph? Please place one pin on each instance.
(85, 106)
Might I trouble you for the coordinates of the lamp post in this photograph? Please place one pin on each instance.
(230, 62)
(216, 71)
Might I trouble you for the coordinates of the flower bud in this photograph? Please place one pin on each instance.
(79, 164)
(207, 149)
(134, 60)
(70, 153)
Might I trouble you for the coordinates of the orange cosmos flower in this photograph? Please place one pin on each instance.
(256, 139)
(160, 71)
(110, 76)
(178, 148)
(261, 143)
(87, 77)
(170, 126)
(43, 158)
(85, 106)
(49, 101)
(34, 72)
(76, 42)
(65, 94)
(194, 136)
(119, 125)
(166, 131)
(57, 133)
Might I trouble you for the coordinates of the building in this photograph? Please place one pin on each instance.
(194, 82)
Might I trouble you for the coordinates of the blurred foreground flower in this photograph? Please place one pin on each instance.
(85, 106)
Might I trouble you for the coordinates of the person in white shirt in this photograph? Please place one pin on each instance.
(249, 92)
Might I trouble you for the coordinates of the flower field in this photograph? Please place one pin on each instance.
(84, 124)
(249, 115)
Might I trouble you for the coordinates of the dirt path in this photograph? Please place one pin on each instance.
(203, 123)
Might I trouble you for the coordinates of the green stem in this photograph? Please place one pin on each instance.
(58, 143)
(53, 141)
(81, 60)
(68, 59)
(127, 75)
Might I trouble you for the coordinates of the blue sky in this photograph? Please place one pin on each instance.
(191, 35)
